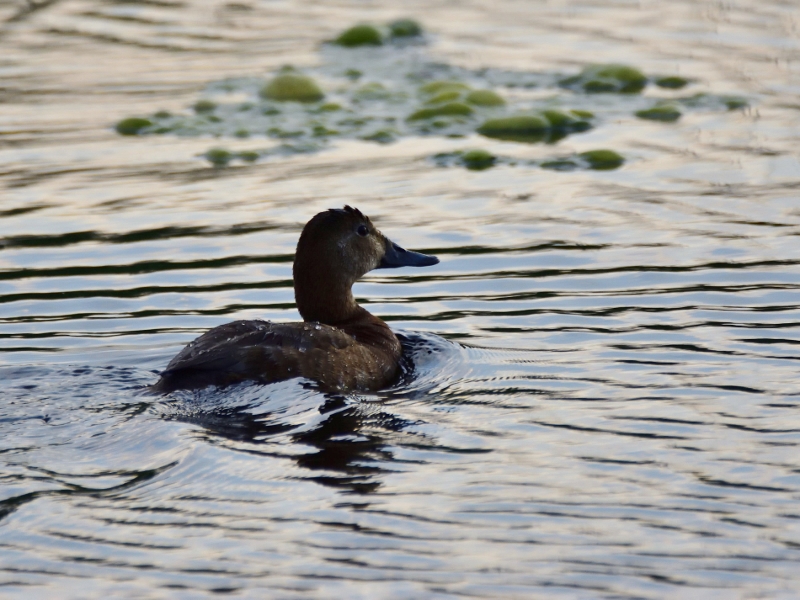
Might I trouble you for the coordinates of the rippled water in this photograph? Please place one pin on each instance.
(606, 402)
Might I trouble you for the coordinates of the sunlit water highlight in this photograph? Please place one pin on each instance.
(605, 395)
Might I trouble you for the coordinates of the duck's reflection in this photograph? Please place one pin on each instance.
(349, 446)
(344, 447)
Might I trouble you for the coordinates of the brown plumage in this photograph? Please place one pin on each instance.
(339, 345)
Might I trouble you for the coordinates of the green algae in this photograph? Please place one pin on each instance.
(485, 98)
(561, 121)
(663, 112)
(204, 106)
(439, 87)
(219, 157)
(734, 102)
(323, 131)
(405, 28)
(372, 91)
(292, 87)
(602, 160)
(280, 133)
(360, 35)
(478, 160)
(133, 125)
(248, 155)
(444, 97)
(607, 79)
(386, 95)
(519, 128)
(382, 136)
(672, 82)
(561, 164)
(712, 101)
(451, 109)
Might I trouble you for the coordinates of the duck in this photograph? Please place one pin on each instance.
(339, 345)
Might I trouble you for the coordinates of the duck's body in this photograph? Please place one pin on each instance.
(339, 345)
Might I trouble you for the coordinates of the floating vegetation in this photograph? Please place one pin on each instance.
(364, 34)
(219, 157)
(133, 125)
(485, 98)
(222, 157)
(602, 160)
(434, 88)
(661, 112)
(712, 102)
(735, 102)
(444, 110)
(607, 79)
(405, 28)
(360, 35)
(292, 87)
(478, 160)
(204, 106)
(382, 95)
(672, 82)
(519, 128)
(550, 125)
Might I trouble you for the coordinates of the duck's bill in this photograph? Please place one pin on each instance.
(396, 256)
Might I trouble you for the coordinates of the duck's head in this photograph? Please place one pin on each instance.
(337, 247)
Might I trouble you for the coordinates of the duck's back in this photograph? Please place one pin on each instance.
(337, 358)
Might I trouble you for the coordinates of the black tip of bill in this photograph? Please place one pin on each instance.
(396, 256)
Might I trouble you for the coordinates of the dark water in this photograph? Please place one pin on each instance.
(606, 402)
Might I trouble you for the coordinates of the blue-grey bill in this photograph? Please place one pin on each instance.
(396, 256)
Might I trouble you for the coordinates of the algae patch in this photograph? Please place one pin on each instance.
(520, 128)
(364, 34)
(485, 98)
(204, 106)
(133, 125)
(664, 112)
(672, 82)
(478, 160)
(607, 79)
(360, 35)
(550, 125)
(450, 109)
(735, 102)
(292, 87)
(405, 28)
(219, 157)
(602, 160)
(379, 95)
(440, 87)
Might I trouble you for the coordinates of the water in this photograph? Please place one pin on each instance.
(606, 399)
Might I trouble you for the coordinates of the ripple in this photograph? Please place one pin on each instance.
(601, 399)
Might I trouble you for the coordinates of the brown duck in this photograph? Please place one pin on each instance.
(339, 345)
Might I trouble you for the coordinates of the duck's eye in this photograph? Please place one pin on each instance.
(362, 231)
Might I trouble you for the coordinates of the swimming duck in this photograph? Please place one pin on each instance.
(339, 344)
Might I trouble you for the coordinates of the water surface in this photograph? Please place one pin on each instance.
(605, 402)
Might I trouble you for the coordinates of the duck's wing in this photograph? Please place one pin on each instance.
(250, 350)
(220, 347)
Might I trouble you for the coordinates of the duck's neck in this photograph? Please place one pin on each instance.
(330, 301)
(322, 296)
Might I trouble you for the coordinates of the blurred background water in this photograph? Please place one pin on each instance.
(606, 402)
